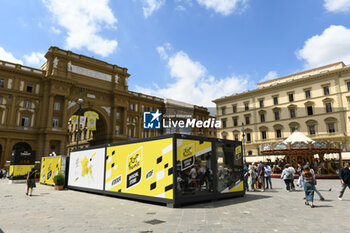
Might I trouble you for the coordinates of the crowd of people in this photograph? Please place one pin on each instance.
(257, 177)
(196, 178)
(320, 166)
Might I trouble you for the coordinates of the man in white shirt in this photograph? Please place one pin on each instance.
(291, 168)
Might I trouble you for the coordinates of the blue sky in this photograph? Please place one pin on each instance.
(188, 50)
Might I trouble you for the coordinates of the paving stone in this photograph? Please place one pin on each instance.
(70, 211)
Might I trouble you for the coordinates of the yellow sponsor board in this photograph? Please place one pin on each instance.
(144, 168)
(19, 170)
(238, 150)
(50, 167)
(238, 187)
(188, 150)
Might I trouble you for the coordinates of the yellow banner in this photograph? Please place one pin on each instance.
(19, 170)
(91, 124)
(91, 114)
(50, 167)
(74, 120)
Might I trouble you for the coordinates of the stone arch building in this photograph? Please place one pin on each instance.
(36, 104)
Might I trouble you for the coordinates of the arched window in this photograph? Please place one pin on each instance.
(263, 132)
(294, 126)
(224, 135)
(311, 127)
(278, 130)
(22, 146)
(331, 124)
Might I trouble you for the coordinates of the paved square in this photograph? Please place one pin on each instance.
(72, 211)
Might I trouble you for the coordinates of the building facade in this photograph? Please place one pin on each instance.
(177, 110)
(315, 102)
(36, 104)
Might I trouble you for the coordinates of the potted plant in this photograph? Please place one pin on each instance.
(59, 180)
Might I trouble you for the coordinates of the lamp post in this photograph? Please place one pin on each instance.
(79, 101)
(243, 135)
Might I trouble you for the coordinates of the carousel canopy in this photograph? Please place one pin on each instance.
(297, 136)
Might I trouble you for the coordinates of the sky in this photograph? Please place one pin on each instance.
(188, 50)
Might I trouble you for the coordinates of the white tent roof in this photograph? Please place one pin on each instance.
(297, 136)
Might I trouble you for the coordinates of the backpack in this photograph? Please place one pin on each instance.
(289, 174)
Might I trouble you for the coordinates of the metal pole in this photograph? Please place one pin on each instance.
(78, 133)
(243, 135)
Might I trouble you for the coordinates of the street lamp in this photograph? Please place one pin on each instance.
(80, 102)
(243, 135)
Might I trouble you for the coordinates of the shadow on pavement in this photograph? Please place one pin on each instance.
(320, 206)
(34, 195)
(226, 202)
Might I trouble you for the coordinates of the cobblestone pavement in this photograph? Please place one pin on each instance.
(71, 211)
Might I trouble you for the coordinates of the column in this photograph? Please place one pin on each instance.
(125, 115)
(64, 117)
(140, 126)
(49, 112)
(46, 146)
(7, 151)
(12, 113)
(113, 121)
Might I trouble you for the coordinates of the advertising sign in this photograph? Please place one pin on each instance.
(50, 167)
(86, 168)
(19, 171)
(23, 157)
(187, 156)
(188, 150)
(238, 152)
(144, 168)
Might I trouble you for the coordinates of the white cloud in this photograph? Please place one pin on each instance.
(150, 6)
(7, 56)
(192, 83)
(224, 7)
(271, 75)
(162, 53)
(84, 20)
(163, 50)
(180, 8)
(331, 46)
(55, 30)
(337, 5)
(35, 59)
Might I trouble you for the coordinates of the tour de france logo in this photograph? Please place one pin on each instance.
(152, 120)
(134, 161)
(187, 156)
(134, 168)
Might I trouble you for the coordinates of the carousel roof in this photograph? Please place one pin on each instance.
(297, 136)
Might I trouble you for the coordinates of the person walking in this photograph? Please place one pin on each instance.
(292, 170)
(344, 175)
(252, 177)
(315, 183)
(30, 181)
(309, 186)
(261, 176)
(287, 176)
(246, 175)
(268, 176)
(300, 182)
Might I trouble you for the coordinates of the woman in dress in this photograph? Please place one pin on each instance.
(252, 177)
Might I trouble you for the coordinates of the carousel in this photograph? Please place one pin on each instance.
(325, 157)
